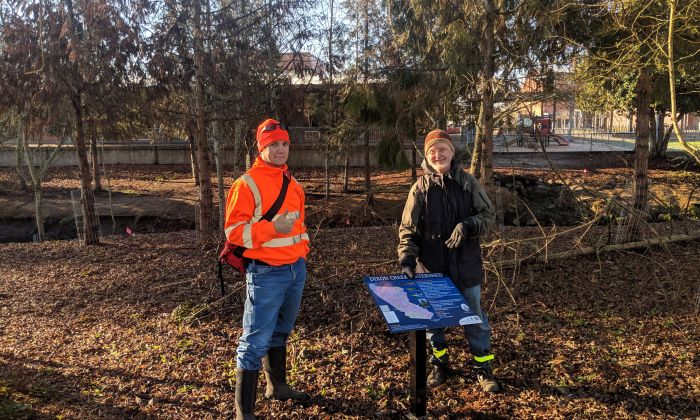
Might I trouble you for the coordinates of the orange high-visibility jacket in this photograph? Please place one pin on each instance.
(250, 197)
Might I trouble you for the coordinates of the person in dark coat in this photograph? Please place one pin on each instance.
(446, 212)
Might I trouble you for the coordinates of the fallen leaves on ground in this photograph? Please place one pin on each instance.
(136, 327)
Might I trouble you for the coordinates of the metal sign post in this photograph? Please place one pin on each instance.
(418, 373)
(430, 300)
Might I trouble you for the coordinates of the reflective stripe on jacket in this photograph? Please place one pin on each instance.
(250, 197)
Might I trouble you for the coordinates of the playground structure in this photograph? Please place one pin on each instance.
(531, 132)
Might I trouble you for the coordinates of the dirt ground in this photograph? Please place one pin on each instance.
(137, 328)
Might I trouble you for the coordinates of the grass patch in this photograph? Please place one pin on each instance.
(676, 145)
(188, 312)
(10, 409)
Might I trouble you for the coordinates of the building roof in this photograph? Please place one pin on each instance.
(303, 67)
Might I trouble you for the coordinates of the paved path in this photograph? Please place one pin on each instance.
(577, 144)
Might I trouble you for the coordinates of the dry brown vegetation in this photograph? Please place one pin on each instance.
(108, 331)
(136, 327)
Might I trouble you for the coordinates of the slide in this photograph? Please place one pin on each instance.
(561, 141)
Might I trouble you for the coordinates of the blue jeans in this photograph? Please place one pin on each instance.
(273, 298)
(478, 335)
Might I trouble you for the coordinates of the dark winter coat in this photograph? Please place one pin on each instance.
(435, 205)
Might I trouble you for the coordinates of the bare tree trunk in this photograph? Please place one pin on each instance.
(271, 90)
(663, 147)
(487, 44)
(659, 129)
(346, 172)
(654, 137)
(544, 257)
(238, 123)
(571, 119)
(475, 167)
(95, 161)
(368, 174)
(37, 172)
(326, 166)
(205, 193)
(640, 181)
(365, 77)
(693, 151)
(220, 187)
(237, 141)
(18, 163)
(330, 101)
(35, 176)
(87, 199)
(91, 137)
(630, 121)
(667, 136)
(193, 157)
(39, 211)
(441, 114)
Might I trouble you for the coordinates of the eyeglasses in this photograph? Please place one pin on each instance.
(272, 126)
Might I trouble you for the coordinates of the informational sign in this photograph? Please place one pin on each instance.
(426, 301)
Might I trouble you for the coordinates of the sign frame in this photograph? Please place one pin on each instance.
(417, 337)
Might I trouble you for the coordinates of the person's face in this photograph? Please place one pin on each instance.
(276, 153)
(440, 157)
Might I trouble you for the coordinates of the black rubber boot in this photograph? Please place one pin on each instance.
(486, 378)
(441, 369)
(437, 376)
(246, 388)
(275, 366)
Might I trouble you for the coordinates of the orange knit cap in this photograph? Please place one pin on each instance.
(273, 133)
(437, 136)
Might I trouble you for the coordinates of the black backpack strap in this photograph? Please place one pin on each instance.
(238, 251)
(270, 214)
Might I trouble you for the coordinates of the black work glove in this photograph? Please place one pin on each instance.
(409, 271)
(463, 230)
(408, 266)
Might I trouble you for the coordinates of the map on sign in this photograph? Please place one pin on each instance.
(426, 301)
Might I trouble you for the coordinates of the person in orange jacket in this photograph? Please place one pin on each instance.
(276, 271)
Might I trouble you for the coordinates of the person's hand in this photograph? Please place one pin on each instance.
(458, 235)
(466, 229)
(409, 271)
(284, 223)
